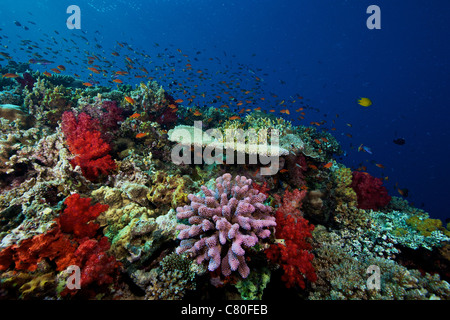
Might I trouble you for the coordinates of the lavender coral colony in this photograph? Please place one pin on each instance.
(224, 224)
(87, 180)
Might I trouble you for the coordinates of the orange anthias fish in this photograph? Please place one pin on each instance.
(179, 101)
(234, 118)
(328, 165)
(197, 113)
(87, 84)
(48, 74)
(55, 70)
(379, 165)
(117, 81)
(141, 135)
(94, 70)
(135, 115)
(61, 67)
(10, 75)
(130, 100)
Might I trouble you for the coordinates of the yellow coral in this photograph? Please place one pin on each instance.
(38, 285)
(344, 193)
(426, 226)
(167, 191)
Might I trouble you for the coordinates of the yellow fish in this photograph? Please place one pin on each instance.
(365, 102)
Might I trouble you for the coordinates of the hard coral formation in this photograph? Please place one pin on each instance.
(224, 224)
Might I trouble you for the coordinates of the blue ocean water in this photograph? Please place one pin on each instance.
(319, 50)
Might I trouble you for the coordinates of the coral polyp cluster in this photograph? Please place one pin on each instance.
(225, 224)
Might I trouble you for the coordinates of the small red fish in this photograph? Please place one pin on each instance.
(130, 100)
(328, 165)
(10, 75)
(141, 135)
(94, 70)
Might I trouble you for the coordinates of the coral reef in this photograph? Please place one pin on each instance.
(88, 180)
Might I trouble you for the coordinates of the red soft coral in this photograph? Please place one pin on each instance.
(70, 242)
(261, 188)
(96, 265)
(294, 255)
(76, 217)
(370, 192)
(85, 142)
(292, 202)
(52, 245)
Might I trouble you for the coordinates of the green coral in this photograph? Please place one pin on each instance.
(409, 230)
(342, 276)
(426, 225)
(252, 288)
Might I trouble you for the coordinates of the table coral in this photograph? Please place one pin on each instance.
(224, 224)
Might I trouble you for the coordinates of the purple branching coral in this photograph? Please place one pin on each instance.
(224, 223)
